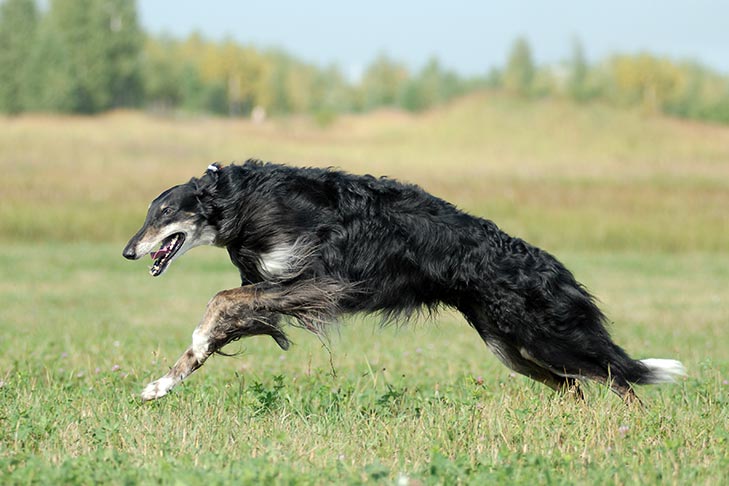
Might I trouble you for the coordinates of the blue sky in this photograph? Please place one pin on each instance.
(468, 36)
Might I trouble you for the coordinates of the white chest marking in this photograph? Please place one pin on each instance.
(278, 261)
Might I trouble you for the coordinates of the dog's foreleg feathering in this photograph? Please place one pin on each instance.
(228, 316)
(248, 311)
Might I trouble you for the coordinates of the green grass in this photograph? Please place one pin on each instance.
(635, 206)
(426, 401)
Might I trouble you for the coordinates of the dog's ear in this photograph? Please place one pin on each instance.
(205, 188)
(214, 169)
(207, 184)
(210, 178)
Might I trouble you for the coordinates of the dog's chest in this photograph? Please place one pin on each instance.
(281, 261)
(276, 262)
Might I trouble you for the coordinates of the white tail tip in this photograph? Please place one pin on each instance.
(664, 370)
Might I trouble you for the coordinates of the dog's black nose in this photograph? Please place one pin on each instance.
(129, 253)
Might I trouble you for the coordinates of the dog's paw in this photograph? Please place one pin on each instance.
(157, 389)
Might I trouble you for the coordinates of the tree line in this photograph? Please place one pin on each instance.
(88, 56)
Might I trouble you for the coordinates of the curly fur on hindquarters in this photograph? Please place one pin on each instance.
(316, 243)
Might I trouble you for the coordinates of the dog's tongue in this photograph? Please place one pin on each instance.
(159, 253)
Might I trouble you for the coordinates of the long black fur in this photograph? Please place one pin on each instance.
(379, 245)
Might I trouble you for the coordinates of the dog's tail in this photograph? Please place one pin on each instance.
(655, 370)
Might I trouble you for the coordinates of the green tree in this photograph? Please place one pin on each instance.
(646, 80)
(49, 84)
(279, 71)
(433, 85)
(244, 73)
(383, 82)
(162, 73)
(102, 43)
(494, 78)
(577, 87)
(18, 20)
(519, 74)
(82, 29)
(413, 96)
(123, 45)
(330, 95)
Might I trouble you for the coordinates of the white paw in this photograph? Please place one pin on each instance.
(157, 389)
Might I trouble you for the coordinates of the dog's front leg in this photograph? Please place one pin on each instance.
(186, 364)
(230, 315)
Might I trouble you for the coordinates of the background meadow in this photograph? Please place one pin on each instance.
(633, 202)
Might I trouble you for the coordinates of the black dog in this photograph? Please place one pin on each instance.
(312, 244)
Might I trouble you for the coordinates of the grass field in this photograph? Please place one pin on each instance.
(635, 206)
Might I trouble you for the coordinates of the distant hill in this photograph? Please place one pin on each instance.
(558, 173)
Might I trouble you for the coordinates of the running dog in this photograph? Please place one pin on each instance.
(312, 244)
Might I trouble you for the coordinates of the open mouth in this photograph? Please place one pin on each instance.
(162, 257)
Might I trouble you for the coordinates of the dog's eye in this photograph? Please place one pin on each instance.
(167, 211)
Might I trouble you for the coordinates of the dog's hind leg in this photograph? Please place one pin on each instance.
(620, 387)
(511, 356)
(522, 364)
(579, 365)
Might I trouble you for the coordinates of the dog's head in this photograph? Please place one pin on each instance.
(177, 220)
